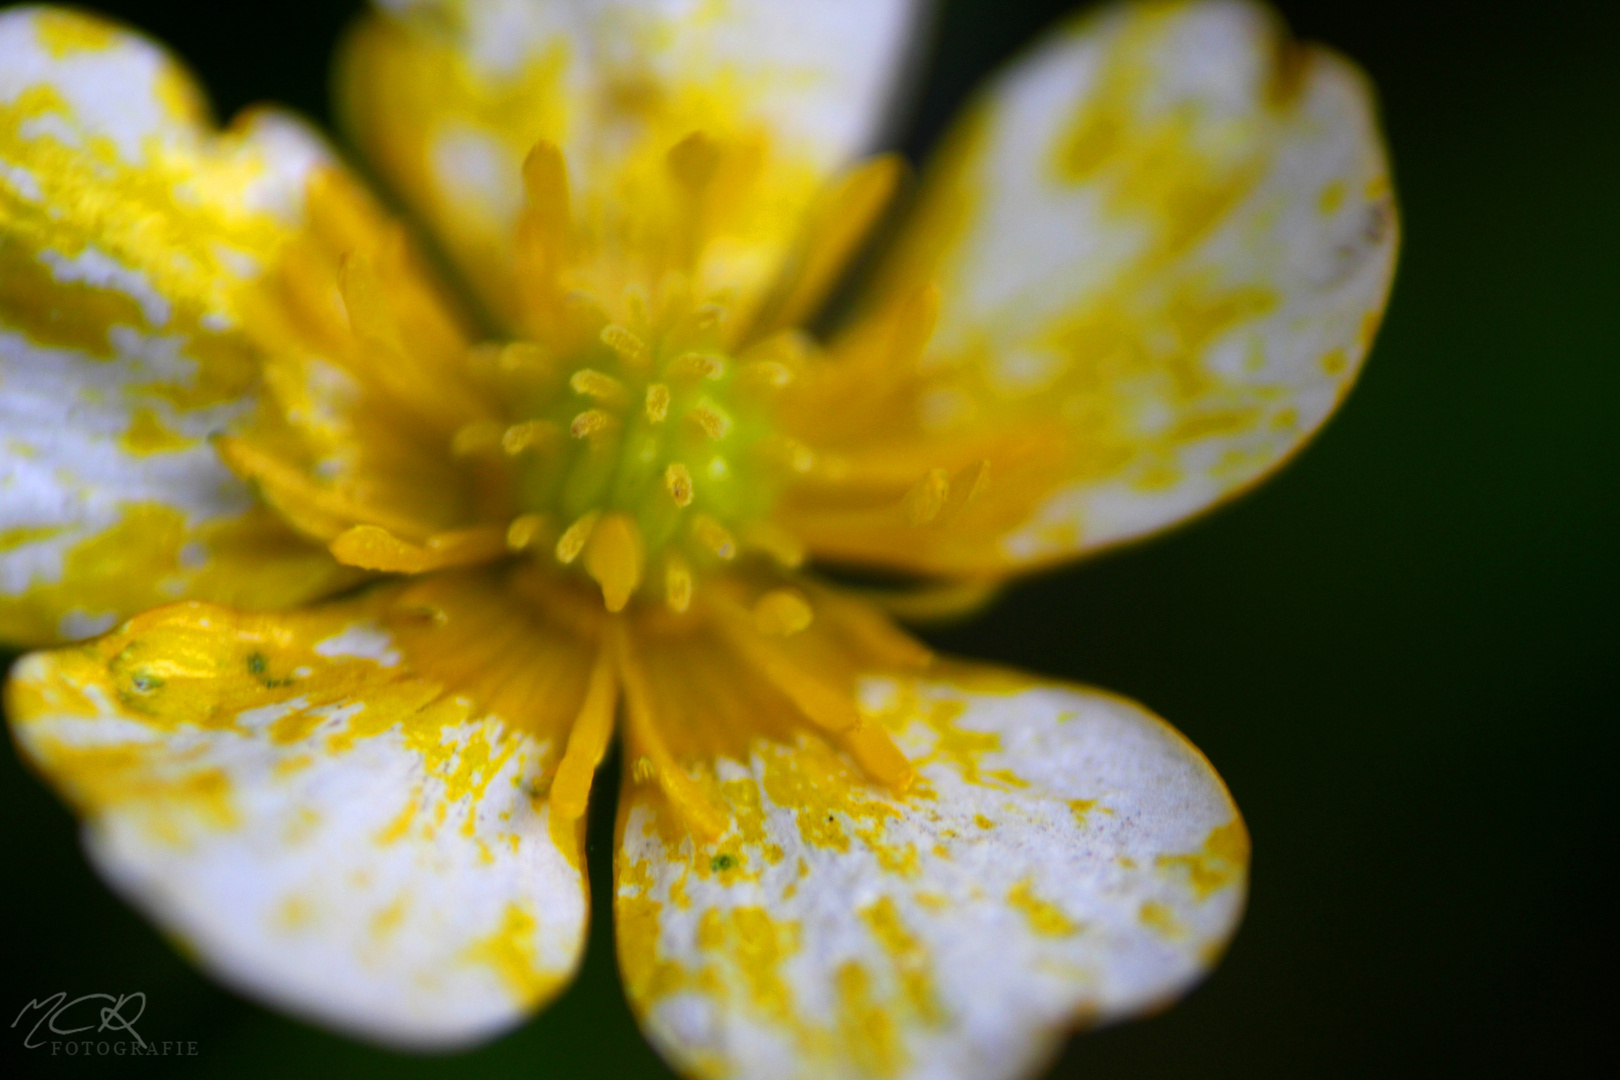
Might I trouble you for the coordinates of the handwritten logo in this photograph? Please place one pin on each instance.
(102, 1014)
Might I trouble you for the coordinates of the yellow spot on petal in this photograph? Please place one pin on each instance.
(149, 435)
(1044, 917)
(1161, 920)
(511, 951)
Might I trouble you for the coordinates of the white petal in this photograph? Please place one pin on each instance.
(321, 828)
(126, 224)
(448, 96)
(1065, 857)
(1162, 242)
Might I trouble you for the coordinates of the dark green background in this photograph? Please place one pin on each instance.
(1394, 651)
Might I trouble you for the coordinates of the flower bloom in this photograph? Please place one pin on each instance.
(378, 567)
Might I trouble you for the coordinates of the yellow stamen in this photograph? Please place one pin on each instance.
(572, 541)
(594, 384)
(317, 510)
(657, 402)
(531, 433)
(613, 556)
(631, 349)
(371, 548)
(590, 422)
(784, 548)
(926, 498)
(815, 700)
(524, 357)
(641, 721)
(714, 425)
(696, 365)
(876, 753)
(835, 229)
(782, 613)
(769, 373)
(677, 583)
(714, 536)
(524, 531)
(479, 437)
(679, 482)
(587, 741)
(693, 161)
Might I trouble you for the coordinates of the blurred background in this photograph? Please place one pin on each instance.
(1396, 652)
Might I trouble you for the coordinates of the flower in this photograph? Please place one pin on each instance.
(377, 569)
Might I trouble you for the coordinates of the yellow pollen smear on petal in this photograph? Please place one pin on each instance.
(679, 482)
(613, 557)
(572, 541)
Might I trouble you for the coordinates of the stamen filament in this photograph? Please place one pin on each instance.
(587, 741)
(641, 722)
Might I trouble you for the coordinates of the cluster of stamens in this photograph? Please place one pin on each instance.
(643, 456)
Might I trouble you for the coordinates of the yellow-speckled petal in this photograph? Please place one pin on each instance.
(321, 824)
(126, 225)
(1062, 858)
(449, 96)
(1161, 245)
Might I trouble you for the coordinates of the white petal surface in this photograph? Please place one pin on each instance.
(126, 224)
(1162, 243)
(448, 96)
(1064, 857)
(323, 829)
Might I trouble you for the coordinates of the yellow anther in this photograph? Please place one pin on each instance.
(693, 161)
(697, 365)
(926, 498)
(771, 373)
(677, 583)
(522, 356)
(520, 437)
(545, 182)
(523, 531)
(714, 536)
(708, 316)
(790, 452)
(631, 349)
(589, 423)
(642, 772)
(613, 557)
(679, 482)
(714, 424)
(782, 612)
(657, 402)
(785, 549)
(478, 437)
(594, 384)
(572, 541)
